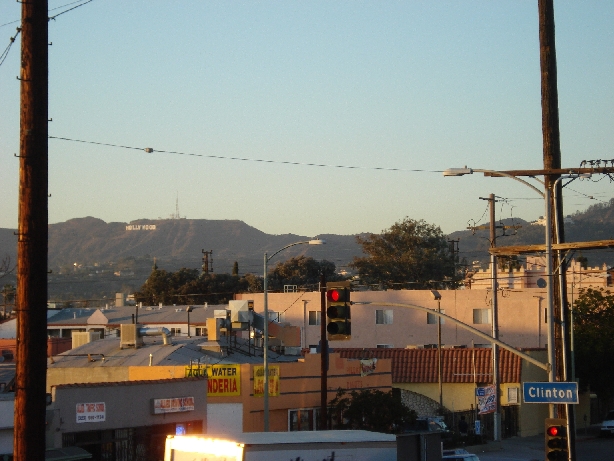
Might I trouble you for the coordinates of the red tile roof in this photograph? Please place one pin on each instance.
(458, 365)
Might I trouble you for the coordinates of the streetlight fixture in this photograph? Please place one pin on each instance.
(437, 297)
(265, 331)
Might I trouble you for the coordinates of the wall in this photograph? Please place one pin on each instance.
(67, 375)
(7, 406)
(456, 396)
(521, 316)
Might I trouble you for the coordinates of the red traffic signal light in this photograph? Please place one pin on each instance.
(556, 439)
(338, 295)
(553, 431)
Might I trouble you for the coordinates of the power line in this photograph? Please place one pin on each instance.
(150, 150)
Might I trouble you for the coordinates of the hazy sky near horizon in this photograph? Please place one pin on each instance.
(401, 90)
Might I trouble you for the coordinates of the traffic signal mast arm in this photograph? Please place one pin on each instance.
(528, 358)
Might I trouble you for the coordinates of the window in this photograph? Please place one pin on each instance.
(383, 317)
(276, 316)
(301, 420)
(315, 317)
(512, 395)
(481, 316)
(201, 331)
(431, 319)
(175, 331)
(384, 346)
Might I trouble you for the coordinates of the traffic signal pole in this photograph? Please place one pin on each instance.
(323, 357)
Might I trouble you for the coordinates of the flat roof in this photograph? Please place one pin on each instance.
(275, 438)
(182, 351)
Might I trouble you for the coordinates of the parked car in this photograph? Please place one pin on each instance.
(431, 424)
(461, 457)
(607, 426)
(455, 451)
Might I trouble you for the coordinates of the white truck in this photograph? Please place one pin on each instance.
(295, 446)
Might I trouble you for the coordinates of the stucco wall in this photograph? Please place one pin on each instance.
(521, 317)
(66, 375)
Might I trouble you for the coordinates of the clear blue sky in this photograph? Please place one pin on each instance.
(411, 85)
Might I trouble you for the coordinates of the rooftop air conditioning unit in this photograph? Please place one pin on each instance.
(129, 335)
(79, 338)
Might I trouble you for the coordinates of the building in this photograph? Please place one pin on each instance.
(235, 379)
(415, 375)
(532, 274)
(127, 420)
(179, 320)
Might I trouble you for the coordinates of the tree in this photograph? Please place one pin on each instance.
(594, 342)
(410, 251)
(371, 410)
(189, 286)
(301, 270)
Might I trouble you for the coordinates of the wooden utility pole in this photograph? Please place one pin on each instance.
(31, 299)
(552, 160)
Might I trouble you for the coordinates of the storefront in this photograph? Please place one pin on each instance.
(126, 421)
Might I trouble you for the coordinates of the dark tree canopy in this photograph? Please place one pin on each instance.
(594, 342)
(410, 253)
(189, 286)
(301, 271)
(371, 410)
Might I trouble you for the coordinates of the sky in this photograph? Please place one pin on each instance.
(239, 100)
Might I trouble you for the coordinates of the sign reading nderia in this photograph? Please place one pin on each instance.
(133, 227)
(550, 392)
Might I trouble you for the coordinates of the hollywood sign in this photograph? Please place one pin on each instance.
(132, 227)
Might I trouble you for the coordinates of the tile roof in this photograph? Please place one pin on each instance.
(458, 365)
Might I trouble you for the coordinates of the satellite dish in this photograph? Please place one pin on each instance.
(541, 283)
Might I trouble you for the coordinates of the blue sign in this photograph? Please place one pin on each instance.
(550, 392)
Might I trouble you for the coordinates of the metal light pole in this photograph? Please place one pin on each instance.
(550, 295)
(265, 331)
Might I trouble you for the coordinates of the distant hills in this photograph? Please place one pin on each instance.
(89, 247)
(175, 243)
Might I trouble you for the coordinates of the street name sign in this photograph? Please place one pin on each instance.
(550, 392)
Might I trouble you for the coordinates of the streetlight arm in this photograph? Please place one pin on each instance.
(499, 173)
(310, 242)
(464, 171)
(475, 331)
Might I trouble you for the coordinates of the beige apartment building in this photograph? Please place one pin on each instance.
(522, 317)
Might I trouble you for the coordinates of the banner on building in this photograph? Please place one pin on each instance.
(222, 380)
(367, 367)
(259, 381)
(172, 405)
(91, 412)
(487, 399)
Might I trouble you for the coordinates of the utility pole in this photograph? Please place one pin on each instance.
(31, 300)
(207, 261)
(552, 160)
(495, 319)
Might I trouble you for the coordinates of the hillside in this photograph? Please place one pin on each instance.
(89, 257)
(596, 223)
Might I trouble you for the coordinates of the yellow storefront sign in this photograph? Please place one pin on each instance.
(259, 381)
(222, 380)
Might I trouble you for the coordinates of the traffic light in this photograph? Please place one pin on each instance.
(339, 326)
(556, 439)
